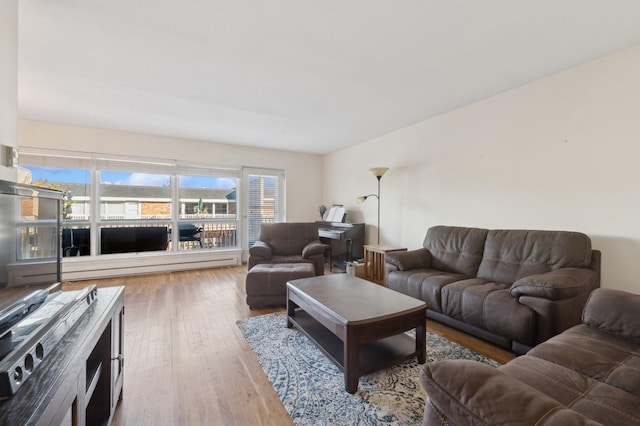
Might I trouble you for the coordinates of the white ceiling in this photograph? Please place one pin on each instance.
(301, 75)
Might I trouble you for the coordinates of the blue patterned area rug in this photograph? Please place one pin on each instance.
(311, 387)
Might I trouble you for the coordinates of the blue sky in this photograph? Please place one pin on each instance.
(54, 174)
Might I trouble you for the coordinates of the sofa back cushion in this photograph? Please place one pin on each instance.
(287, 239)
(512, 254)
(455, 249)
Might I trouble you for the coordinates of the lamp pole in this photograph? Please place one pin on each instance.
(379, 177)
(377, 172)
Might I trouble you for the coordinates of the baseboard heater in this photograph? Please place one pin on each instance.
(74, 271)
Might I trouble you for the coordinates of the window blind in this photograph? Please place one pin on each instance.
(264, 202)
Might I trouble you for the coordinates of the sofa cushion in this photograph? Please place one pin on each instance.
(513, 254)
(613, 311)
(473, 393)
(605, 357)
(475, 301)
(455, 249)
(423, 284)
(599, 401)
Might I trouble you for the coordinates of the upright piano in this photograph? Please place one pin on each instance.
(346, 240)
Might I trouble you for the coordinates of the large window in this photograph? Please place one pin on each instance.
(75, 183)
(208, 211)
(117, 206)
(135, 210)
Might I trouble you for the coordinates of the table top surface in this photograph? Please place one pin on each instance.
(352, 300)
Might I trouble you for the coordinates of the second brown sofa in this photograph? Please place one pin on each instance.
(587, 375)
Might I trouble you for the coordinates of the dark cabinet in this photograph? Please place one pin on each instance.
(80, 382)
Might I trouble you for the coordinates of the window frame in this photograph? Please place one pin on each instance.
(280, 216)
(96, 163)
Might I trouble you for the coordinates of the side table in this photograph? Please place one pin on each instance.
(374, 268)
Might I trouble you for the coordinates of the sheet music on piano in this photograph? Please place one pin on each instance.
(336, 214)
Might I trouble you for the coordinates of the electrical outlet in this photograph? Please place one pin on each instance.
(10, 156)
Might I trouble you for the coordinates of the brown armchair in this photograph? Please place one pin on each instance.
(288, 243)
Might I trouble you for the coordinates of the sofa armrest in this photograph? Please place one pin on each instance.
(261, 249)
(314, 247)
(613, 311)
(555, 285)
(406, 260)
(473, 393)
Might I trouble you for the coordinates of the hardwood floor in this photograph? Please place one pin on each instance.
(186, 362)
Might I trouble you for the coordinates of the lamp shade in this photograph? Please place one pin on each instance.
(378, 171)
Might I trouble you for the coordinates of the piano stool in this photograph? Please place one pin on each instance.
(346, 241)
(266, 283)
(328, 256)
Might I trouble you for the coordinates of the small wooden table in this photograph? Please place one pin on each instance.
(358, 325)
(374, 268)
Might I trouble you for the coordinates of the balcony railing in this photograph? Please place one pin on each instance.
(209, 235)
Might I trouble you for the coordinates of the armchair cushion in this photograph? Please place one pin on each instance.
(314, 247)
(613, 311)
(413, 259)
(554, 285)
(261, 249)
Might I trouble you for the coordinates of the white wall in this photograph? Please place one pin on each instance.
(303, 195)
(559, 153)
(8, 82)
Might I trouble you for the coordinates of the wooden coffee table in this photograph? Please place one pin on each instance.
(357, 324)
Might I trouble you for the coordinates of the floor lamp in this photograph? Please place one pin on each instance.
(378, 172)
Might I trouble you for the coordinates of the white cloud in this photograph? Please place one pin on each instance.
(145, 179)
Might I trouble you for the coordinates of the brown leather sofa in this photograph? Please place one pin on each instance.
(587, 375)
(288, 242)
(514, 288)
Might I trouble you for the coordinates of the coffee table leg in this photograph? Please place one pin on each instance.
(291, 310)
(351, 364)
